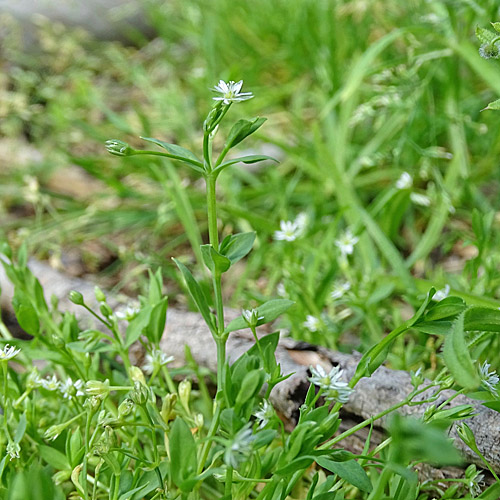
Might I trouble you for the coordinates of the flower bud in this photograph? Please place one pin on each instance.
(184, 391)
(97, 388)
(106, 311)
(251, 317)
(199, 420)
(167, 408)
(137, 375)
(140, 394)
(76, 298)
(99, 294)
(118, 148)
(125, 408)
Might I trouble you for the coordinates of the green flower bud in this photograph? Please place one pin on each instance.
(184, 391)
(97, 388)
(61, 476)
(99, 294)
(118, 148)
(199, 420)
(76, 298)
(136, 375)
(125, 408)
(106, 311)
(140, 394)
(167, 408)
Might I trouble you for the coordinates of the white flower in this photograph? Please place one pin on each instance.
(405, 181)
(420, 199)
(240, 448)
(13, 449)
(8, 352)
(231, 92)
(442, 294)
(331, 383)
(281, 290)
(129, 314)
(264, 414)
(489, 379)
(156, 360)
(51, 384)
(346, 242)
(291, 230)
(339, 289)
(312, 323)
(251, 316)
(69, 389)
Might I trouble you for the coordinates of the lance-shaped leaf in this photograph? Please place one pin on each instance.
(242, 129)
(244, 159)
(197, 295)
(483, 319)
(178, 153)
(236, 246)
(216, 262)
(494, 105)
(457, 358)
(267, 312)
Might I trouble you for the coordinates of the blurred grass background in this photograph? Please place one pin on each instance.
(356, 93)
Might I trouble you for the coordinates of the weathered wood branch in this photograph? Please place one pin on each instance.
(382, 390)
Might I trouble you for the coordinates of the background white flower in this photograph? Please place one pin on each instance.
(264, 414)
(156, 360)
(442, 294)
(420, 199)
(489, 379)
(405, 181)
(346, 242)
(312, 323)
(339, 289)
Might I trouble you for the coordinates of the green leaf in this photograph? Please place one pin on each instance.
(484, 35)
(183, 460)
(249, 388)
(178, 153)
(482, 319)
(242, 129)
(21, 429)
(129, 493)
(74, 447)
(196, 294)
(216, 262)
(446, 308)
(494, 105)
(156, 326)
(491, 493)
(237, 246)
(136, 327)
(269, 312)
(244, 159)
(54, 457)
(26, 314)
(295, 465)
(457, 358)
(350, 471)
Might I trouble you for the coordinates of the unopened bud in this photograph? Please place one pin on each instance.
(99, 294)
(140, 394)
(167, 408)
(137, 375)
(184, 391)
(76, 298)
(118, 148)
(125, 408)
(106, 311)
(97, 388)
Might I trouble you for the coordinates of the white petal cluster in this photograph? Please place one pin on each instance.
(312, 323)
(51, 383)
(339, 289)
(346, 242)
(331, 383)
(291, 230)
(442, 294)
(264, 414)
(489, 379)
(405, 181)
(156, 360)
(231, 92)
(8, 352)
(70, 389)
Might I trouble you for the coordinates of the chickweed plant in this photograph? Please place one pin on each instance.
(86, 423)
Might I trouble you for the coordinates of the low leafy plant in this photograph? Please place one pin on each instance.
(87, 423)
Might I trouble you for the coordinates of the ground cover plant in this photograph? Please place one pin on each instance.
(384, 193)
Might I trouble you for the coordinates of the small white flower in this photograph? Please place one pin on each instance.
(420, 199)
(156, 360)
(442, 294)
(339, 289)
(489, 379)
(69, 389)
(291, 230)
(312, 323)
(51, 384)
(8, 352)
(331, 383)
(129, 314)
(13, 449)
(405, 181)
(231, 92)
(251, 316)
(346, 242)
(240, 448)
(264, 414)
(281, 290)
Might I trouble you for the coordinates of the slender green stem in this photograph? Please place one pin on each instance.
(229, 483)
